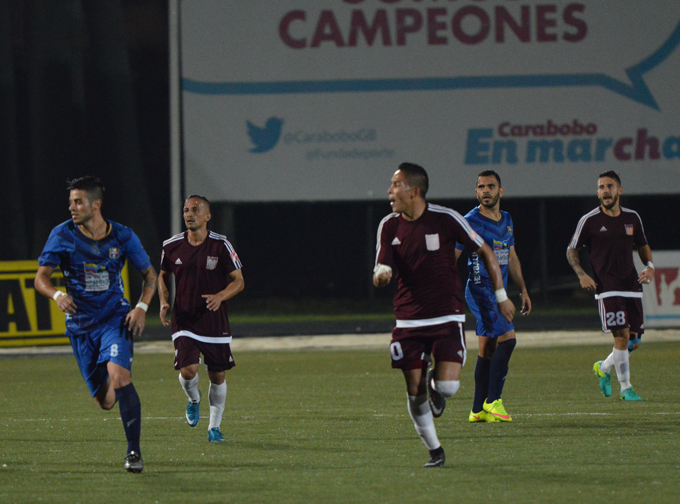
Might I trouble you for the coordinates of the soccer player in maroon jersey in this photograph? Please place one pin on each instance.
(611, 233)
(207, 273)
(419, 240)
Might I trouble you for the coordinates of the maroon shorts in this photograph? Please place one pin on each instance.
(618, 312)
(411, 348)
(217, 356)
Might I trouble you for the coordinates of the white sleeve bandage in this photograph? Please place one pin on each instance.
(143, 306)
(650, 265)
(382, 268)
(501, 295)
(58, 294)
(447, 388)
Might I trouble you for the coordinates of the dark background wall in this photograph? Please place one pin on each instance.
(328, 249)
(84, 90)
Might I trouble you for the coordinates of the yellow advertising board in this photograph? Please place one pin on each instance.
(27, 317)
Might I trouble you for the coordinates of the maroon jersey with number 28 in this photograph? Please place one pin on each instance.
(610, 242)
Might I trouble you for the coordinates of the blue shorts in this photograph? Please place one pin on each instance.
(110, 343)
(482, 304)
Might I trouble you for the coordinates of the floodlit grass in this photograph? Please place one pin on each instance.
(332, 426)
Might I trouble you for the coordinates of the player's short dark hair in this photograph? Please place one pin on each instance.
(611, 174)
(491, 173)
(416, 176)
(91, 185)
(198, 196)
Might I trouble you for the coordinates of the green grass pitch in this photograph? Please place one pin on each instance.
(332, 427)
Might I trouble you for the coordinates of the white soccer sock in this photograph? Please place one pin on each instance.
(423, 421)
(447, 388)
(622, 368)
(190, 388)
(218, 396)
(608, 363)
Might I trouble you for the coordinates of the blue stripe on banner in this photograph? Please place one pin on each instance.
(636, 90)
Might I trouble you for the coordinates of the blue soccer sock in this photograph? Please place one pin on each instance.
(499, 368)
(131, 415)
(481, 383)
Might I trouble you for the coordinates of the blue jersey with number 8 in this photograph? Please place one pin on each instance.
(92, 271)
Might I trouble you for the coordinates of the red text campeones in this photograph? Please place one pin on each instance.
(469, 25)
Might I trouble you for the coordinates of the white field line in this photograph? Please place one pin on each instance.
(377, 416)
(368, 341)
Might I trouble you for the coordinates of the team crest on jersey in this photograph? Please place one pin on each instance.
(114, 253)
(211, 263)
(629, 229)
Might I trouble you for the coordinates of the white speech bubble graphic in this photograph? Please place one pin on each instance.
(324, 46)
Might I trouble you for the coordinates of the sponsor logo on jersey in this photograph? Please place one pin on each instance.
(211, 263)
(178, 261)
(396, 241)
(603, 229)
(476, 271)
(502, 251)
(629, 229)
(96, 278)
(114, 253)
(234, 257)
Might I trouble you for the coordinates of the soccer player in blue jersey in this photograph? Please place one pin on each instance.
(91, 252)
(495, 334)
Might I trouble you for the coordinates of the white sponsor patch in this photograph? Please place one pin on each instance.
(96, 280)
(432, 241)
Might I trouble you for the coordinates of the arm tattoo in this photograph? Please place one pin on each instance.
(572, 257)
(150, 278)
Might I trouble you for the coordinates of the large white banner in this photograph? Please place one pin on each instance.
(661, 298)
(322, 99)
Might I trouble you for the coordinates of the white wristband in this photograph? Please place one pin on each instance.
(501, 295)
(58, 294)
(143, 306)
(649, 265)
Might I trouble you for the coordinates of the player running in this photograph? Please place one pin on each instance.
(496, 336)
(91, 252)
(207, 273)
(419, 241)
(611, 233)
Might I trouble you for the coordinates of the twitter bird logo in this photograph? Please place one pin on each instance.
(264, 139)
